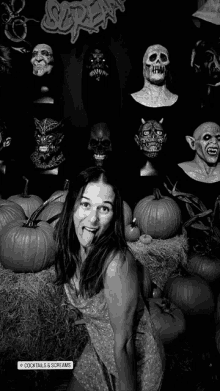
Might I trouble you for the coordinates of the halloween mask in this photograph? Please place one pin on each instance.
(100, 144)
(150, 138)
(155, 62)
(206, 61)
(206, 142)
(42, 59)
(48, 136)
(98, 64)
(4, 140)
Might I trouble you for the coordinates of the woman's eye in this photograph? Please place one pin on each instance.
(85, 204)
(104, 209)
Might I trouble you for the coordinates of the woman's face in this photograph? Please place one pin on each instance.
(93, 213)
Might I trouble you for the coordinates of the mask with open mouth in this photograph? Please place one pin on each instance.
(151, 137)
(206, 142)
(98, 64)
(155, 62)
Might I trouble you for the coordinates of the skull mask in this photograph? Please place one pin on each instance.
(206, 60)
(206, 142)
(150, 138)
(100, 144)
(155, 62)
(97, 64)
(48, 136)
(42, 59)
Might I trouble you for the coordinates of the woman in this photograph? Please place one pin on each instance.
(100, 278)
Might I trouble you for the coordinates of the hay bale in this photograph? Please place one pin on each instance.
(161, 257)
(36, 323)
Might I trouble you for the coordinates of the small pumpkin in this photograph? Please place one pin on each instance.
(127, 213)
(191, 294)
(158, 216)
(132, 231)
(28, 202)
(27, 245)
(145, 239)
(51, 212)
(60, 195)
(204, 265)
(167, 318)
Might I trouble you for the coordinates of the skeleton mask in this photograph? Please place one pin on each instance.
(206, 142)
(100, 144)
(155, 62)
(206, 60)
(42, 59)
(150, 138)
(49, 137)
(97, 64)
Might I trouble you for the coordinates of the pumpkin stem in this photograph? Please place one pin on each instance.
(157, 194)
(66, 184)
(25, 192)
(31, 221)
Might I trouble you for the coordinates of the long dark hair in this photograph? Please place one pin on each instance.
(103, 248)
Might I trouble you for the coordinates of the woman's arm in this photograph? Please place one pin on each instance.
(121, 292)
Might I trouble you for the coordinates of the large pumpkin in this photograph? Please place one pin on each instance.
(28, 202)
(27, 245)
(204, 265)
(10, 211)
(168, 319)
(158, 216)
(51, 212)
(191, 294)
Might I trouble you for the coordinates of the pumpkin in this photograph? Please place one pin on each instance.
(60, 195)
(10, 211)
(167, 318)
(158, 216)
(191, 294)
(204, 265)
(28, 202)
(27, 245)
(51, 212)
(127, 213)
(145, 239)
(132, 231)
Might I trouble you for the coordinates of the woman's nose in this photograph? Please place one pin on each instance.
(94, 216)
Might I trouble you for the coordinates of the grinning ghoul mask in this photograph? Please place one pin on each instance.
(97, 64)
(48, 136)
(206, 142)
(205, 60)
(155, 62)
(150, 138)
(100, 143)
(42, 59)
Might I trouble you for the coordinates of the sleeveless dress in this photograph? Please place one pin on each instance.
(96, 369)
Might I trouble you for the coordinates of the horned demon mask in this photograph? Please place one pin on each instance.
(151, 137)
(206, 142)
(48, 136)
(205, 60)
(155, 63)
(98, 64)
(100, 143)
(42, 59)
